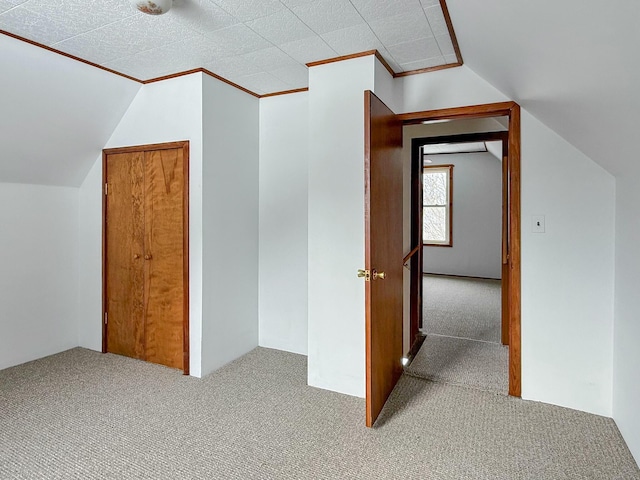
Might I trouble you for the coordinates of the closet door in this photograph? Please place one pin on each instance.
(124, 225)
(163, 232)
(146, 253)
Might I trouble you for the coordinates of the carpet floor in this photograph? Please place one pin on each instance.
(85, 415)
(462, 325)
(463, 362)
(462, 307)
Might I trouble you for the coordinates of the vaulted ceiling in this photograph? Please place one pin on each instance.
(574, 64)
(261, 45)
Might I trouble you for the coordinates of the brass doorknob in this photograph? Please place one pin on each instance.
(147, 257)
(379, 275)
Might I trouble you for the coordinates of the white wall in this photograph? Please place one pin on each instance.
(336, 224)
(626, 361)
(161, 112)
(476, 249)
(567, 311)
(56, 114)
(284, 169)
(567, 274)
(38, 254)
(229, 223)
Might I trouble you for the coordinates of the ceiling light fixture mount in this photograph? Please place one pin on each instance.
(152, 7)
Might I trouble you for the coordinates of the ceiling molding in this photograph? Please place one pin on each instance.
(68, 55)
(377, 54)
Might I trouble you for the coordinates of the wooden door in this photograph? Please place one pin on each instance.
(124, 242)
(383, 253)
(145, 264)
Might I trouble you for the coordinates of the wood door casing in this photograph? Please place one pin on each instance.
(383, 253)
(145, 253)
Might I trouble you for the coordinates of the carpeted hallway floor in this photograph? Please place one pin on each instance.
(462, 324)
(85, 415)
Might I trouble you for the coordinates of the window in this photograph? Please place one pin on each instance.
(436, 205)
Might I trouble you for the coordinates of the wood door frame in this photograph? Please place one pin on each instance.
(185, 236)
(513, 267)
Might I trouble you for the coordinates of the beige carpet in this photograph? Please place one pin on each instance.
(463, 362)
(84, 415)
(462, 307)
(462, 323)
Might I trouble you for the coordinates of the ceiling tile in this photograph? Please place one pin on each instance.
(395, 66)
(413, 51)
(203, 16)
(451, 58)
(354, 39)
(269, 58)
(126, 37)
(262, 83)
(35, 27)
(76, 15)
(436, 20)
(296, 3)
(296, 76)
(426, 63)
(445, 44)
(9, 4)
(143, 65)
(309, 50)
(325, 16)
(377, 9)
(228, 67)
(401, 28)
(245, 10)
(280, 27)
(237, 39)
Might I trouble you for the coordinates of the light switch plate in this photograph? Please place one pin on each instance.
(537, 223)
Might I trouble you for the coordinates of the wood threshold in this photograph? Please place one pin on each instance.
(513, 267)
(459, 276)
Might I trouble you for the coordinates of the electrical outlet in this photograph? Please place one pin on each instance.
(537, 223)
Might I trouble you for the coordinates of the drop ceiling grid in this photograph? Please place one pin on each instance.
(262, 45)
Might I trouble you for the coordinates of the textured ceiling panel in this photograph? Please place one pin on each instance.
(262, 45)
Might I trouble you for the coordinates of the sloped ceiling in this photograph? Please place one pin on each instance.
(573, 64)
(56, 114)
(261, 45)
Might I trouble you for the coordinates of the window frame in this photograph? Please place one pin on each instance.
(448, 242)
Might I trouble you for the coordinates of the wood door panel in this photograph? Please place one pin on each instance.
(163, 234)
(124, 250)
(383, 252)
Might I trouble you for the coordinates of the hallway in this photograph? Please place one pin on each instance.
(461, 319)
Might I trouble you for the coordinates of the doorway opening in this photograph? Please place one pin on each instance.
(510, 269)
(462, 211)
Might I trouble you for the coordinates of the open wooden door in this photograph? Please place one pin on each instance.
(383, 253)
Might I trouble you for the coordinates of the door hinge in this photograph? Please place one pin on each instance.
(106, 189)
(105, 318)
